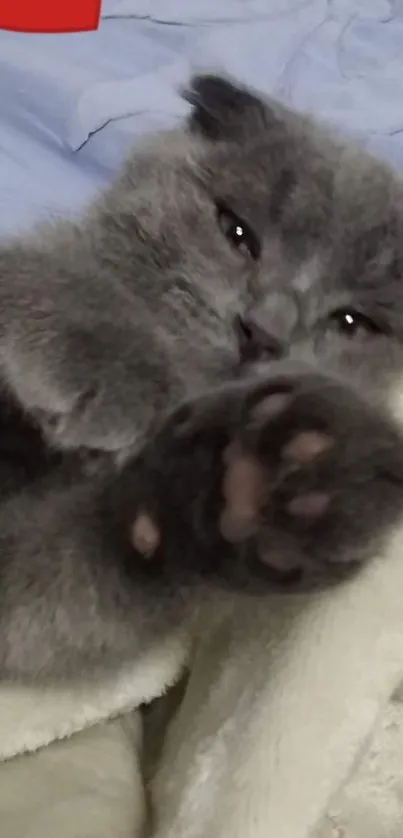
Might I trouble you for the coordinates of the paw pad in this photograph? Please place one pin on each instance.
(310, 505)
(243, 490)
(270, 407)
(307, 445)
(145, 536)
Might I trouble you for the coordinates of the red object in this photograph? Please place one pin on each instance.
(48, 16)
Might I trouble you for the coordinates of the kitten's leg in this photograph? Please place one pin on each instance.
(76, 349)
(66, 543)
(74, 602)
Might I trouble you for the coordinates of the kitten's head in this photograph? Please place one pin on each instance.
(252, 211)
(255, 234)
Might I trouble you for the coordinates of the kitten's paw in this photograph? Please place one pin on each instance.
(294, 478)
(313, 476)
(98, 392)
(99, 418)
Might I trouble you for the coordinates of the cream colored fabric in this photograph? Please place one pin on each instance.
(88, 786)
(371, 804)
(31, 717)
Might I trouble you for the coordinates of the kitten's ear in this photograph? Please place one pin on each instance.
(222, 109)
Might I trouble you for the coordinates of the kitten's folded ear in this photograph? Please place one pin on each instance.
(223, 109)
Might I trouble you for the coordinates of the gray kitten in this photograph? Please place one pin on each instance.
(248, 235)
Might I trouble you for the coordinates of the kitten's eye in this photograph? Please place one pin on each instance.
(238, 232)
(352, 323)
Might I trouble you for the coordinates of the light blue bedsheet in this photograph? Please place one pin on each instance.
(70, 105)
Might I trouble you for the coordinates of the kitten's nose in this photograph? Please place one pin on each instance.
(256, 342)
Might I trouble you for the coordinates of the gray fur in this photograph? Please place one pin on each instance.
(107, 324)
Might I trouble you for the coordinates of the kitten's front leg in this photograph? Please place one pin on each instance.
(291, 479)
(76, 351)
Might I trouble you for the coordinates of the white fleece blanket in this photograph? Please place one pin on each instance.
(71, 758)
(371, 804)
